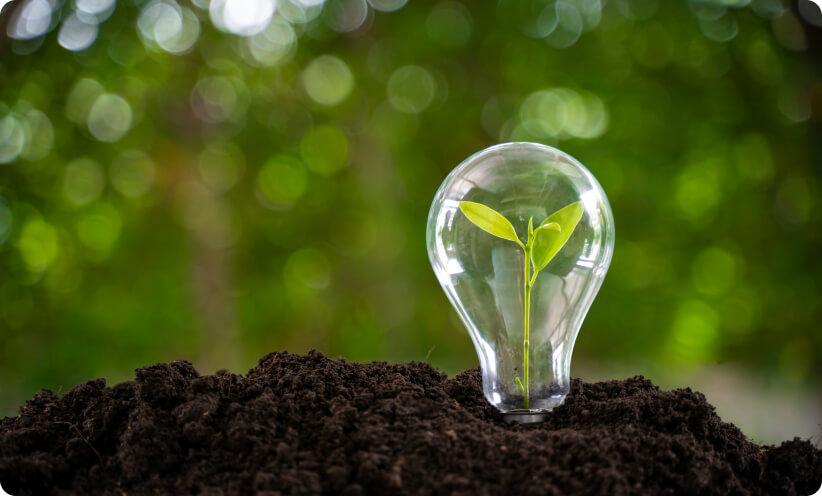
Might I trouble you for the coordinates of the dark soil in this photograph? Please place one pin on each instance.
(311, 425)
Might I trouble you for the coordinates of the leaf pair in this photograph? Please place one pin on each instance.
(543, 243)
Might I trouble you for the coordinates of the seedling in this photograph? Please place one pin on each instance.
(541, 246)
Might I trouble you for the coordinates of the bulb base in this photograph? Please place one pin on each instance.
(524, 417)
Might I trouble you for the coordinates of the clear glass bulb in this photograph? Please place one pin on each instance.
(522, 292)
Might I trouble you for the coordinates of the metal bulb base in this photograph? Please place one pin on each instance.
(524, 417)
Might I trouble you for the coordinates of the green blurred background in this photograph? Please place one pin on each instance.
(213, 180)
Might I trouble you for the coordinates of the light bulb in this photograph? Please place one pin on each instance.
(520, 236)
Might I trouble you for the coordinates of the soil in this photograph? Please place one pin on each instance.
(312, 425)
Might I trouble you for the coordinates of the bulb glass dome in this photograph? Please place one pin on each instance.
(520, 236)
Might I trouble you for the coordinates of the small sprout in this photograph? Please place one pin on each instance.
(541, 246)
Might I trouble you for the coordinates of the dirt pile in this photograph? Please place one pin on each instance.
(310, 425)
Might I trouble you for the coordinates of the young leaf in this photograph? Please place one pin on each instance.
(548, 242)
(530, 228)
(489, 220)
(545, 245)
(567, 217)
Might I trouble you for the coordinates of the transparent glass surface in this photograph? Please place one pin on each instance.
(483, 275)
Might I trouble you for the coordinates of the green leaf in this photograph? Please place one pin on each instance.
(567, 217)
(489, 220)
(530, 228)
(545, 245)
(549, 241)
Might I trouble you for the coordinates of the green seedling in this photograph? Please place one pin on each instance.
(542, 245)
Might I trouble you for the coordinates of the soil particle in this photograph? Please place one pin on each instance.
(312, 425)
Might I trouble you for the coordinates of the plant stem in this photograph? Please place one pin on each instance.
(526, 343)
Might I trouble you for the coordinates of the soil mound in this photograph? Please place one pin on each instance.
(312, 425)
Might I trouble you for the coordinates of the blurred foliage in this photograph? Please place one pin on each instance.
(215, 180)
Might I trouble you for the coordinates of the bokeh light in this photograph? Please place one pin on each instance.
(98, 9)
(300, 11)
(218, 99)
(562, 113)
(132, 173)
(12, 137)
(38, 244)
(241, 17)
(324, 150)
(31, 20)
(564, 24)
(109, 118)
(387, 5)
(694, 333)
(40, 135)
(220, 166)
(76, 34)
(411, 89)
(307, 268)
(345, 16)
(449, 23)
(714, 271)
(274, 45)
(83, 182)
(165, 25)
(80, 99)
(328, 80)
(98, 230)
(281, 182)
